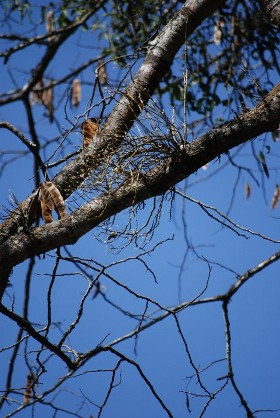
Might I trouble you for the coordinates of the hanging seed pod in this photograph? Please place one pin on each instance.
(76, 92)
(102, 73)
(46, 213)
(276, 197)
(90, 129)
(247, 190)
(50, 21)
(51, 199)
(48, 100)
(28, 389)
(218, 32)
(57, 199)
(37, 96)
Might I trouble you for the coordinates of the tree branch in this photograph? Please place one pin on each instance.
(24, 324)
(181, 164)
(161, 53)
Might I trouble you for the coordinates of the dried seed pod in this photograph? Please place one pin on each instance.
(28, 389)
(45, 195)
(51, 199)
(48, 100)
(37, 96)
(46, 213)
(276, 197)
(218, 32)
(247, 190)
(34, 210)
(76, 92)
(50, 21)
(102, 73)
(90, 129)
(57, 199)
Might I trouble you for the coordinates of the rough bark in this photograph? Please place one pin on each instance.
(161, 53)
(262, 118)
(272, 10)
(19, 242)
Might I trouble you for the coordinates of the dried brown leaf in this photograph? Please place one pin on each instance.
(45, 195)
(46, 213)
(50, 21)
(275, 197)
(89, 128)
(37, 96)
(57, 199)
(102, 73)
(247, 190)
(218, 32)
(76, 92)
(28, 389)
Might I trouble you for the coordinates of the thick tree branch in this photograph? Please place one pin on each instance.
(272, 10)
(263, 117)
(161, 53)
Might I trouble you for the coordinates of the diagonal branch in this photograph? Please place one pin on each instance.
(24, 324)
(157, 181)
(146, 380)
(160, 55)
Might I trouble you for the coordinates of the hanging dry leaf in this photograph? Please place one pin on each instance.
(37, 96)
(276, 197)
(34, 211)
(76, 92)
(45, 194)
(247, 190)
(42, 94)
(46, 213)
(57, 199)
(113, 234)
(48, 100)
(50, 21)
(90, 129)
(51, 199)
(102, 73)
(218, 32)
(28, 389)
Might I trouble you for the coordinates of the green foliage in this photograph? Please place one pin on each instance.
(222, 72)
(21, 7)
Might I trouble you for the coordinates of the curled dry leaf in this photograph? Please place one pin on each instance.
(28, 389)
(76, 92)
(59, 204)
(218, 32)
(34, 211)
(46, 213)
(102, 73)
(48, 100)
(37, 96)
(276, 197)
(90, 129)
(51, 199)
(50, 21)
(247, 190)
(42, 94)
